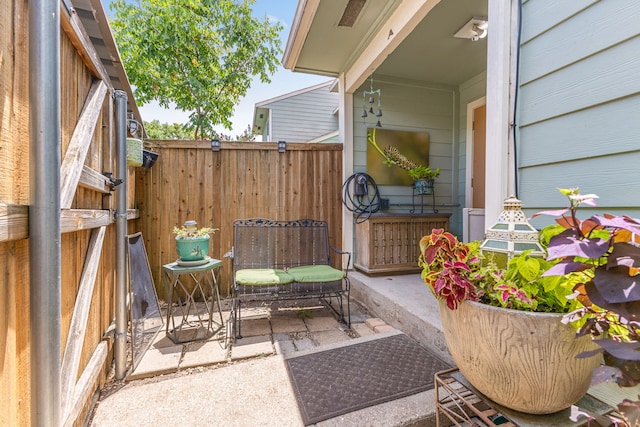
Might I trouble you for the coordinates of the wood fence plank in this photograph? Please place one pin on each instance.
(14, 222)
(243, 180)
(80, 142)
(94, 180)
(76, 336)
(86, 383)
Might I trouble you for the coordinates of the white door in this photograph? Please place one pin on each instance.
(473, 213)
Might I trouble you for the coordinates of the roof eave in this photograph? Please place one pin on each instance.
(305, 12)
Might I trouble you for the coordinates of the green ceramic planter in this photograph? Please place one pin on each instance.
(192, 249)
(424, 185)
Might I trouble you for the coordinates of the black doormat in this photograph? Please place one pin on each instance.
(333, 382)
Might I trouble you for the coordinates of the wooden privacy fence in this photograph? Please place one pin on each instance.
(242, 180)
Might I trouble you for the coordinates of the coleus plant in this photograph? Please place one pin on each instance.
(447, 265)
(456, 272)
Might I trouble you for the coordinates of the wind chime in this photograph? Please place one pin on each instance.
(373, 94)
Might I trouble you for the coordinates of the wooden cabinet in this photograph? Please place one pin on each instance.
(389, 243)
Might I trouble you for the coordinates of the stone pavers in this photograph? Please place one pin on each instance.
(266, 330)
(252, 347)
(203, 354)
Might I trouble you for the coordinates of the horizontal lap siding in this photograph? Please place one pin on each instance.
(414, 108)
(304, 117)
(579, 103)
(597, 79)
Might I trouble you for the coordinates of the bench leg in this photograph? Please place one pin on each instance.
(234, 332)
(339, 296)
(348, 292)
(238, 320)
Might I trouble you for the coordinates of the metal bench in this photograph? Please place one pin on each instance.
(284, 260)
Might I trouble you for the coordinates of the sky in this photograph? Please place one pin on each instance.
(282, 82)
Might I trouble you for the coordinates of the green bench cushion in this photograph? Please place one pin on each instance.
(262, 277)
(315, 274)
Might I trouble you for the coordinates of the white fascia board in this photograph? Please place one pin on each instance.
(302, 20)
(401, 23)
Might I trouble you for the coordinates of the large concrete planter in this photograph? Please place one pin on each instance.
(524, 361)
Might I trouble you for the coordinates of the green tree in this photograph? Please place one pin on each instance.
(199, 54)
(157, 130)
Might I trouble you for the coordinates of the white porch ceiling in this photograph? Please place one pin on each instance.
(430, 53)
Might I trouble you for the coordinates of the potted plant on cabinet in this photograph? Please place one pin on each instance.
(192, 243)
(502, 325)
(423, 178)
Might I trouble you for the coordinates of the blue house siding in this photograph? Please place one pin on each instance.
(579, 103)
(414, 107)
(302, 116)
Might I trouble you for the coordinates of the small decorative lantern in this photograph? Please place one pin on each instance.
(191, 226)
(511, 235)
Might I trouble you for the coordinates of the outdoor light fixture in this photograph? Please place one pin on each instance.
(215, 145)
(511, 234)
(132, 125)
(282, 146)
(476, 29)
(479, 31)
(371, 100)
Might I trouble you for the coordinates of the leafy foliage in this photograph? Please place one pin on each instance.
(447, 265)
(248, 135)
(183, 232)
(457, 272)
(177, 131)
(604, 252)
(423, 172)
(157, 130)
(199, 54)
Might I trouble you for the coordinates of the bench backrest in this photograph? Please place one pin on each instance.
(266, 243)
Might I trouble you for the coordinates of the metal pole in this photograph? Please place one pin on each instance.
(121, 233)
(44, 212)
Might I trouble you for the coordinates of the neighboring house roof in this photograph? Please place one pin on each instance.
(329, 137)
(300, 116)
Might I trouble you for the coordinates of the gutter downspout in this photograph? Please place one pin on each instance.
(121, 232)
(44, 213)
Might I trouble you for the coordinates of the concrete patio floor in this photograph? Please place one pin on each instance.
(246, 383)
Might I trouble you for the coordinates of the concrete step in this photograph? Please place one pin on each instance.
(405, 303)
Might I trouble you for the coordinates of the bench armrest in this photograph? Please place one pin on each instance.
(229, 254)
(340, 252)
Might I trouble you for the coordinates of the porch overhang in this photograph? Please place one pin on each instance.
(411, 40)
(320, 42)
